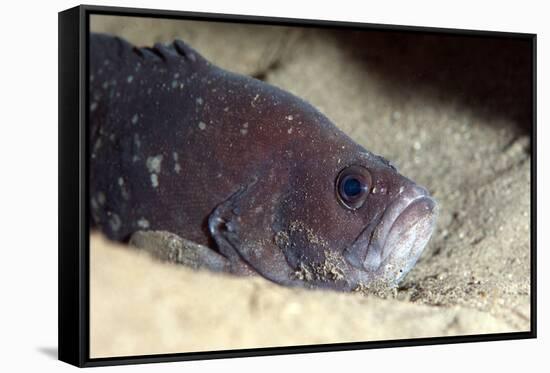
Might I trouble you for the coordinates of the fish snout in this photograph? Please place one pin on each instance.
(402, 233)
(390, 245)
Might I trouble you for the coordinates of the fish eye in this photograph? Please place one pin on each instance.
(352, 186)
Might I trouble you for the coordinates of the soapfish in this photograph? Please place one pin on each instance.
(255, 179)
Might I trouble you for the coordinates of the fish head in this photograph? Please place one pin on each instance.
(360, 223)
(399, 217)
(322, 209)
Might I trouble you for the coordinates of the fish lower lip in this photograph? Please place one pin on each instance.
(387, 237)
(400, 238)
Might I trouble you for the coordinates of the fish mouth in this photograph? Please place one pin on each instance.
(390, 246)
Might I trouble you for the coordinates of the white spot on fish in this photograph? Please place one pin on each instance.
(123, 190)
(115, 222)
(143, 223)
(153, 163)
(245, 125)
(289, 130)
(177, 166)
(192, 57)
(202, 125)
(174, 83)
(254, 100)
(401, 189)
(154, 180)
(97, 144)
(226, 109)
(199, 100)
(130, 79)
(93, 106)
(137, 141)
(101, 198)
(176, 75)
(289, 117)
(135, 119)
(244, 131)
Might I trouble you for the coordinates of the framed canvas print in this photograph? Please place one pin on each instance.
(237, 186)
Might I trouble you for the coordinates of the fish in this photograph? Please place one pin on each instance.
(256, 178)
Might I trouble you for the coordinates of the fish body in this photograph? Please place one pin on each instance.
(248, 170)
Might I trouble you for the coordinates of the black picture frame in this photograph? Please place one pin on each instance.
(73, 190)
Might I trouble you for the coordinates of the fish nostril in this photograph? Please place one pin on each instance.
(412, 191)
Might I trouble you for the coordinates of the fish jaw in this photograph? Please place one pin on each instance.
(390, 246)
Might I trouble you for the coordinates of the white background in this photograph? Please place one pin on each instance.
(28, 182)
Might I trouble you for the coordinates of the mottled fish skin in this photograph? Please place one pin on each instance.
(245, 168)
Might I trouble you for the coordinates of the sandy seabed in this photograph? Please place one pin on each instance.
(452, 113)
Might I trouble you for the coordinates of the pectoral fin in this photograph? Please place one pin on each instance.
(172, 248)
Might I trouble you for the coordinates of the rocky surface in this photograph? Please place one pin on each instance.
(138, 306)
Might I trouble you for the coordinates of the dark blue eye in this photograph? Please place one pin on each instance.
(353, 186)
